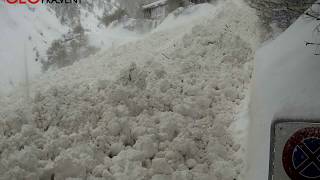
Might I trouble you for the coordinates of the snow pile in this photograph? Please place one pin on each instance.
(286, 85)
(160, 108)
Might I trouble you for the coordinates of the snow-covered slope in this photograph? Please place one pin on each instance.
(28, 31)
(158, 108)
(286, 85)
(22, 26)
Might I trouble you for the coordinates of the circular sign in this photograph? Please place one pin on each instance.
(301, 154)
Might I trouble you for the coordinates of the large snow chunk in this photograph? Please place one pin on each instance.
(161, 166)
(147, 146)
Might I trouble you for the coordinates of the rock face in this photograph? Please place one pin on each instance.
(278, 11)
(159, 108)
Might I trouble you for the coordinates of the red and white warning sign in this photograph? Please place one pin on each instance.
(295, 151)
(301, 154)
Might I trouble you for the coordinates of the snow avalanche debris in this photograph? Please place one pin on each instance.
(159, 108)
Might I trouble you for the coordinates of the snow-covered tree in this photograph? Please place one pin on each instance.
(72, 47)
(108, 17)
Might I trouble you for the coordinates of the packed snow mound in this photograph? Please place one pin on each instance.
(160, 108)
(286, 85)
